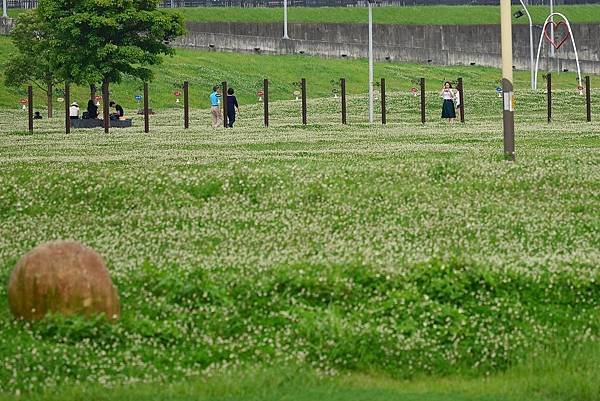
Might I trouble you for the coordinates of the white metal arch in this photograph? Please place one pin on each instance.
(537, 60)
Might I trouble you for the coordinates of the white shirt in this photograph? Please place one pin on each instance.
(447, 94)
(74, 111)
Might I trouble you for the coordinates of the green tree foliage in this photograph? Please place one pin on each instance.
(31, 65)
(97, 40)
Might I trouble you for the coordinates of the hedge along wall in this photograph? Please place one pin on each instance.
(438, 44)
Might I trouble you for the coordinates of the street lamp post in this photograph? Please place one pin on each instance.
(4, 13)
(370, 3)
(508, 114)
(552, 27)
(285, 20)
(518, 14)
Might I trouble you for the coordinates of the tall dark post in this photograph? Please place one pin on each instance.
(266, 101)
(461, 100)
(67, 105)
(303, 101)
(49, 99)
(422, 100)
(549, 90)
(105, 100)
(588, 99)
(343, 88)
(146, 113)
(224, 97)
(186, 105)
(30, 107)
(93, 92)
(383, 110)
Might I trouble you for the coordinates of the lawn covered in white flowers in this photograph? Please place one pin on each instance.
(400, 249)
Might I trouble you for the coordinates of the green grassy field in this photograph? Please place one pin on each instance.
(416, 15)
(411, 257)
(413, 15)
(245, 73)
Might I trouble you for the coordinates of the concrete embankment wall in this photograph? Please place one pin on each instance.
(436, 44)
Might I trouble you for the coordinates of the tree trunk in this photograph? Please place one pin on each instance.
(49, 98)
(93, 92)
(105, 94)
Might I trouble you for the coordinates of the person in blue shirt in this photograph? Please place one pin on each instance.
(215, 110)
(232, 107)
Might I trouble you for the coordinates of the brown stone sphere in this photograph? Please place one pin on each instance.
(62, 277)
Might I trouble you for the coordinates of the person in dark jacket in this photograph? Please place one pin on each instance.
(232, 107)
(119, 111)
(92, 109)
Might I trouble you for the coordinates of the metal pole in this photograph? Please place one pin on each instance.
(383, 111)
(552, 27)
(549, 91)
(422, 100)
(146, 113)
(588, 99)
(370, 62)
(508, 117)
(285, 20)
(343, 88)
(533, 83)
(30, 104)
(266, 101)
(186, 104)
(461, 99)
(4, 12)
(224, 87)
(304, 101)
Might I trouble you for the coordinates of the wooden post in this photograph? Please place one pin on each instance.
(105, 100)
(383, 110)
(343, 88)
(67, 105)
(224, 97)
(422, 100)
(549, 90)
(588, 99)
(50, 99)
(461, 99)
(146, 113)
(30, 107)
(266, 101)
(303, 101)
(186, 105)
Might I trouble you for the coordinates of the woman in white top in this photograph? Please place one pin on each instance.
(448, 94)
(74, 111)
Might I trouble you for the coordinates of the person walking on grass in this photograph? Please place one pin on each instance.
(448, 94)
(215, 110)
(232, 107)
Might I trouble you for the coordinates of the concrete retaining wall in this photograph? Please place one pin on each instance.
(436, 44)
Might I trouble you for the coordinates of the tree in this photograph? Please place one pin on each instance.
(102, 40)
(31, 64)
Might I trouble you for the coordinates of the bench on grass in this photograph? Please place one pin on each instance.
(95, 123)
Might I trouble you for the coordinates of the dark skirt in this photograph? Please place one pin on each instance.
(448, 109)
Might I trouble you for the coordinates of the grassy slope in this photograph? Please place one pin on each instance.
(464, 15)
(246, 73)
(447, 15)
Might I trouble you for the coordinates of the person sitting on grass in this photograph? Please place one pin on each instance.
(119, 112)
(74, 111)
(37, 115)
(92, 110)
(232, 106)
